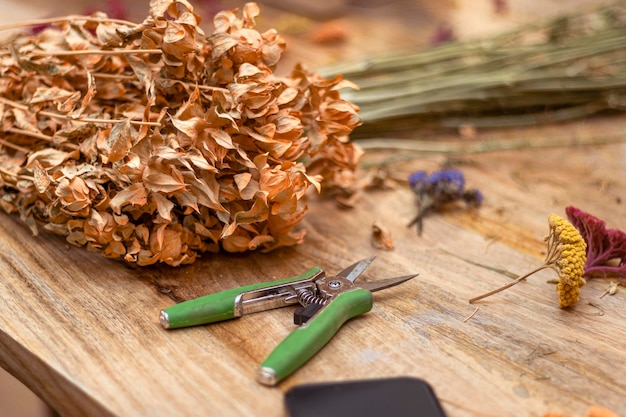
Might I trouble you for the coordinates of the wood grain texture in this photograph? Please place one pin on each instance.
(83, 333)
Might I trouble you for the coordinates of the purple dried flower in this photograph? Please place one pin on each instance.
(606, 248)
(417, 177)
(438, 189)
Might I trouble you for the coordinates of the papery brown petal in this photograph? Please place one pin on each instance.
(250, 11)
(158, 8)
(258, 213)
(286, 96)
(134, 195)
(43, 94)
(114, 249)
(42, 179)
(222, 138)
(236, 243)
(187, 200)
(146, 257)
(260, 241)
(166, 242)
(164, 206)
(162, 182)
(207, 191)
(110, 34)
(189, 127)
(223, 21)
(48, 157)
(222, 43)
(119, 141)
(248, 70)
(143, 233)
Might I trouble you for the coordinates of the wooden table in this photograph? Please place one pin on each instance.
(83, 332)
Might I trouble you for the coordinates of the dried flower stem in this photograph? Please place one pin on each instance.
(471, 315)
(38, 136)
(554, 252)
(96, 52)
(96, 120)
(14, 146)
(133, 78)
(16, 176)
(507, 80)
(502, 271)
(566, 255)
(510, 284)
(486, 145)
(63, 19)
(77, 119)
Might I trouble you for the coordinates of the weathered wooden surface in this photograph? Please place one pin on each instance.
(82, 331)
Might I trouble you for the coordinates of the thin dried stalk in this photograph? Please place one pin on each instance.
(487, 145)
(577, 69)
(96, 52)
(77, 119)
(64, 19)
(509, 285)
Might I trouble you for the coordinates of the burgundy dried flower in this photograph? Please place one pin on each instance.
(606, 248)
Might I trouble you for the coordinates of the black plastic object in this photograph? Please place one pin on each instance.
(391, 397)
(303, 314)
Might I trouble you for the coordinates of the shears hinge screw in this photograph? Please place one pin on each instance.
(334, 284)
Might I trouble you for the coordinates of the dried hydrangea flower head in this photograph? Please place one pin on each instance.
(566, 254)
(438, 189)
(154, 142)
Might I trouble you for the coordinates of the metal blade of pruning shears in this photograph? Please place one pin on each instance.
(355, 270)
(382, 284)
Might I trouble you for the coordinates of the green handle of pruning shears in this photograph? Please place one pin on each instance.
(305, 341)
(219, 306)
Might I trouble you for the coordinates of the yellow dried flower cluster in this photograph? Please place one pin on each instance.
(154, 142)
(567, 254)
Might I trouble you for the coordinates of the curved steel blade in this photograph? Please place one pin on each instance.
(385, 283)
(355, 270)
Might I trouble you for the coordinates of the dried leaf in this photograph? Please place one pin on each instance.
(42, 179)
(158, 181)
(134, 195)
(119, 141)
(164, 206)
(381, 237)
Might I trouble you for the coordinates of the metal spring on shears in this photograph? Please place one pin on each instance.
(306, 297)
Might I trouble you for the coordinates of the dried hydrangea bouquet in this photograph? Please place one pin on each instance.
(154, 142)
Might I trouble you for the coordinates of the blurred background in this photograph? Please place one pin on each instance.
(318, 33)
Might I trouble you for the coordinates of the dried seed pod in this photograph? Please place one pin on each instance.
(381, 237)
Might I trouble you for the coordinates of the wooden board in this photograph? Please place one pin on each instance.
(82, 331)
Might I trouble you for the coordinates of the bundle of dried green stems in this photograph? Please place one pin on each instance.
(563, 69)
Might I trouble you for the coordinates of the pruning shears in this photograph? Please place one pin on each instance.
(327, 302)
